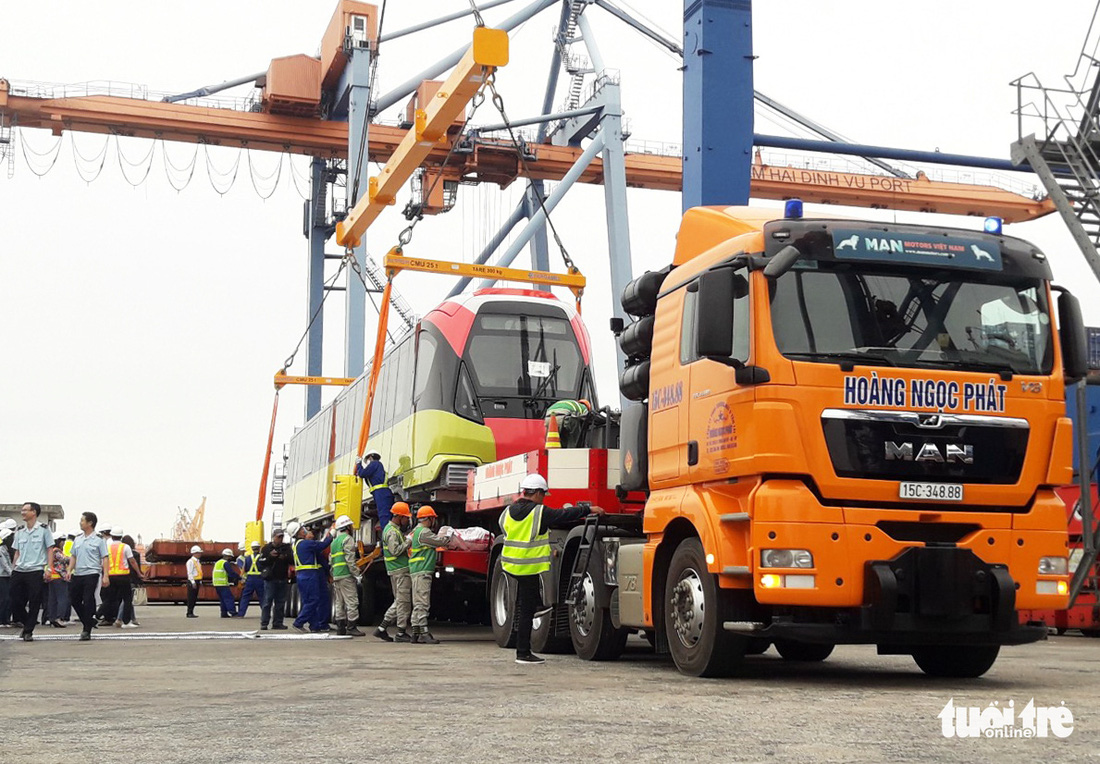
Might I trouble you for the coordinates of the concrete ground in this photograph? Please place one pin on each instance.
(343, 700)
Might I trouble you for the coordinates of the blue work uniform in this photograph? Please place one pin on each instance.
(374, 475)
(253, 583)
(311, 580)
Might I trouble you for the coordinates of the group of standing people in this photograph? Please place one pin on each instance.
(62, 573)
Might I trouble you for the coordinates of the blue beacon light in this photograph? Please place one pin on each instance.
(994, 225)
(792, 208)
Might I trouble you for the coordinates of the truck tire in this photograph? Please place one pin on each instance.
(806, 652)
(693, 617)
(293, 601)
(545, 636)
(368, 597)
(956, 661)
(593, 635)
(502, 606)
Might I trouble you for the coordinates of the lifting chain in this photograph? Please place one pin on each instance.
(498, 102)
(406, 235)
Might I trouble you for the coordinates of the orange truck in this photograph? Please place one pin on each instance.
(847, 432)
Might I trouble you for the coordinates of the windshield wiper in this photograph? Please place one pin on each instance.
(847, 359)
(1006, 371)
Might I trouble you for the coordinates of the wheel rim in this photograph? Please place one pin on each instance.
(686, 608)
(500, 603)
(583, 611)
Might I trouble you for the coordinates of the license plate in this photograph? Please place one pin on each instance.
(931, 491)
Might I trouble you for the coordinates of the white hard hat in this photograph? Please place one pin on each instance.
(58, 536)
(534, 482)
(227, 553)
(256, 544)
(241, 546)
(371, 452)
(5, 532)
(343, 521)
(196, 549)
(292, 529)
(10, 524)
(117, 532)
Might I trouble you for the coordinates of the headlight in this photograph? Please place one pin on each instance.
(1053, 566)
(786, 558)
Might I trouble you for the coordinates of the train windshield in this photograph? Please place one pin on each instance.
(912, 317)
(525, 356)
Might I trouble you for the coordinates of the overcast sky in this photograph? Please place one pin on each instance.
(141, 325)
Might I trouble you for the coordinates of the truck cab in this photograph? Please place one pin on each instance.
(850, 432)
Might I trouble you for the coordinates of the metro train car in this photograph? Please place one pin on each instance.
(469, 385)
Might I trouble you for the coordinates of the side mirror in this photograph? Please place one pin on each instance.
(714, 311)
(782, 261)
(1071, 333)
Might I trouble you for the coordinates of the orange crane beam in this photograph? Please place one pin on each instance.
(491, 161)
(489, 51)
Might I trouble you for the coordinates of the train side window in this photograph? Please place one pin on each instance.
(688, 352)
(403, 404)
(424, 361)
(466, 404)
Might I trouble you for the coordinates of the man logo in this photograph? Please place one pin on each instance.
(980, 254)
(929, 452)
(849, 243)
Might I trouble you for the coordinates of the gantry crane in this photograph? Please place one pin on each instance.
(322, 107)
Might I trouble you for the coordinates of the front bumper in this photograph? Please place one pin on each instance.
(925, 595)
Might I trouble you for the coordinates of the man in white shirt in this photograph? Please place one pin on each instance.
(194, 577)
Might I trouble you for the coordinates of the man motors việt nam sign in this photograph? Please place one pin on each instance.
(917, 249)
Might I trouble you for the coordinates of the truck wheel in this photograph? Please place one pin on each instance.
(545, 636)
(368, 596)
(693, 617)
(807, 652)
(593, 635)
(293, 601)
(502, 605)
(956, 661)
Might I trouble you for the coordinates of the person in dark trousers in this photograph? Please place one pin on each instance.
(308, 570)
(526, 554)
(128, 616)
(275, 559)
(30, 567)
(253, 580)
(57, 588)
(373, 474)
(224, 577)
(88, 565)
(7, 535)
(194, 580)
(121, 563)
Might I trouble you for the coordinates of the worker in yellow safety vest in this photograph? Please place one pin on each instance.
(253, 579)
(526, 523)
(226, 573)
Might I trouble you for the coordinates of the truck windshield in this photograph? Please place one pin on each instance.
(832, 313)
(524, 356)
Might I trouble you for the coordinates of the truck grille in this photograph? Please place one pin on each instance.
(858, 446)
